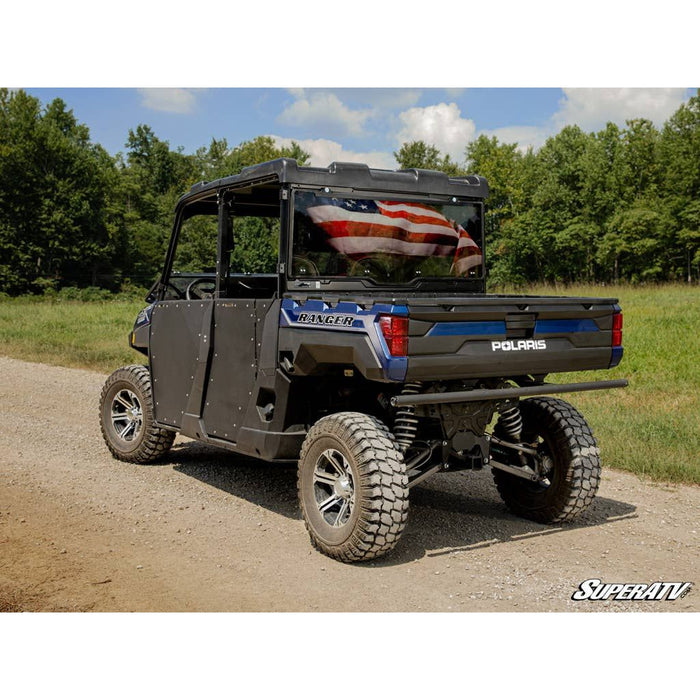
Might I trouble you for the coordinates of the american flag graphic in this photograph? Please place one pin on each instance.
(358, 227)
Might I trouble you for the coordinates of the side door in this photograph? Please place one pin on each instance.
(181, 323)
(250, 284)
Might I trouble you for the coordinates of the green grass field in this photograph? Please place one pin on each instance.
(651, 428)
(92, 335)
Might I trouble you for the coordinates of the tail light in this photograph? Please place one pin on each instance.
(617, 329)
(395, 332)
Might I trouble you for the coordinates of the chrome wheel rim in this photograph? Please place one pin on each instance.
(127, 415)
(334, 488)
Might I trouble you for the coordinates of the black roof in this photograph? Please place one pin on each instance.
(356, 175)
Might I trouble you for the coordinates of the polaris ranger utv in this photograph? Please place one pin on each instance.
(366, 350)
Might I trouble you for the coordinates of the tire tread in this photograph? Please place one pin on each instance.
(156, 441)
(384, 505)
(571, 432)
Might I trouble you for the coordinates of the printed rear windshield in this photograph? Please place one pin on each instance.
(385, 240)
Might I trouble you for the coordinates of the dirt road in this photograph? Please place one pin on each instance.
(208, 531)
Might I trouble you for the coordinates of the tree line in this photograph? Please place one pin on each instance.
(72, 215)
(617, 205)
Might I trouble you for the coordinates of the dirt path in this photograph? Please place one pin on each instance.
(207, 530)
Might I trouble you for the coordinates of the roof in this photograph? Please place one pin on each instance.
(356, 175)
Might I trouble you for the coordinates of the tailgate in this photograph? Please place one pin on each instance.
(500, 336)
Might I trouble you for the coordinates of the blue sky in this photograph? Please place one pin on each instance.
(365, 124)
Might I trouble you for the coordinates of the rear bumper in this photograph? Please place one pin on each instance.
(502, 394)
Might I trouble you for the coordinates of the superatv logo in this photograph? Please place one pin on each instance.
(510, 345)
(594, 589)
(326, 319)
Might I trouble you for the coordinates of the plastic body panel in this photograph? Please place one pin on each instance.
(463, 337)
(319, 333)
(475, 338)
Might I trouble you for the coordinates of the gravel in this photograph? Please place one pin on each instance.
(207, 530)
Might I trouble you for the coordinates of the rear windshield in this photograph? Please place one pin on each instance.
(386, 240)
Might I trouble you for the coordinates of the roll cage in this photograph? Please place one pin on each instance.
(267, 190)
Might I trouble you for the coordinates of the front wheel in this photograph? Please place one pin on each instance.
(353, 487)
(126, 417)
(570, 459)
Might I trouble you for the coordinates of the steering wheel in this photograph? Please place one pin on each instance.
(178, 292)
(304, 266)
(373, 266)
(199, 289)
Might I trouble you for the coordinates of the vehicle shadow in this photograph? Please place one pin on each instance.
(451, 512)
(461, 512)
(271, 486)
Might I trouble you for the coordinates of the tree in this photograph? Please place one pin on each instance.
(603, 184)
(55, 185)
(261, 150)
(679, 148)
(689, 238)
(503, 167)
(422, 156)
(633, 247)
(419, 155)
(640, 166)
(561, 175)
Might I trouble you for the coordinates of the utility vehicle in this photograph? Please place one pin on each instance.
(337, 317)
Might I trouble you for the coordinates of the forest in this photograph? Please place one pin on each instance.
(618, 205)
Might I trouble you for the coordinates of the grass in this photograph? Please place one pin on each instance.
(651, 428)
(90, 335)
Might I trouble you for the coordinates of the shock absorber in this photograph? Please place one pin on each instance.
(510, 419)
(406, 423)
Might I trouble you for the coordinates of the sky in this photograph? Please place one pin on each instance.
(357, 124)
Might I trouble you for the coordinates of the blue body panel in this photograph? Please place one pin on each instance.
(354, 319)
(584, 325)
(469, 328)
(617, 353)
(498, 328)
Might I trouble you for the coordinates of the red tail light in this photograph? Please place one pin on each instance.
(617, 329)
(395, 332)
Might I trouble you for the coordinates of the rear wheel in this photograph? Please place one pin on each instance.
(126, 417)
(353, 488)
(569, 459)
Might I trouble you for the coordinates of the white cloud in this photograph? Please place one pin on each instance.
(441, 125)
(324, 110)
(592, 108)
(323, 152)
(178, 100)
